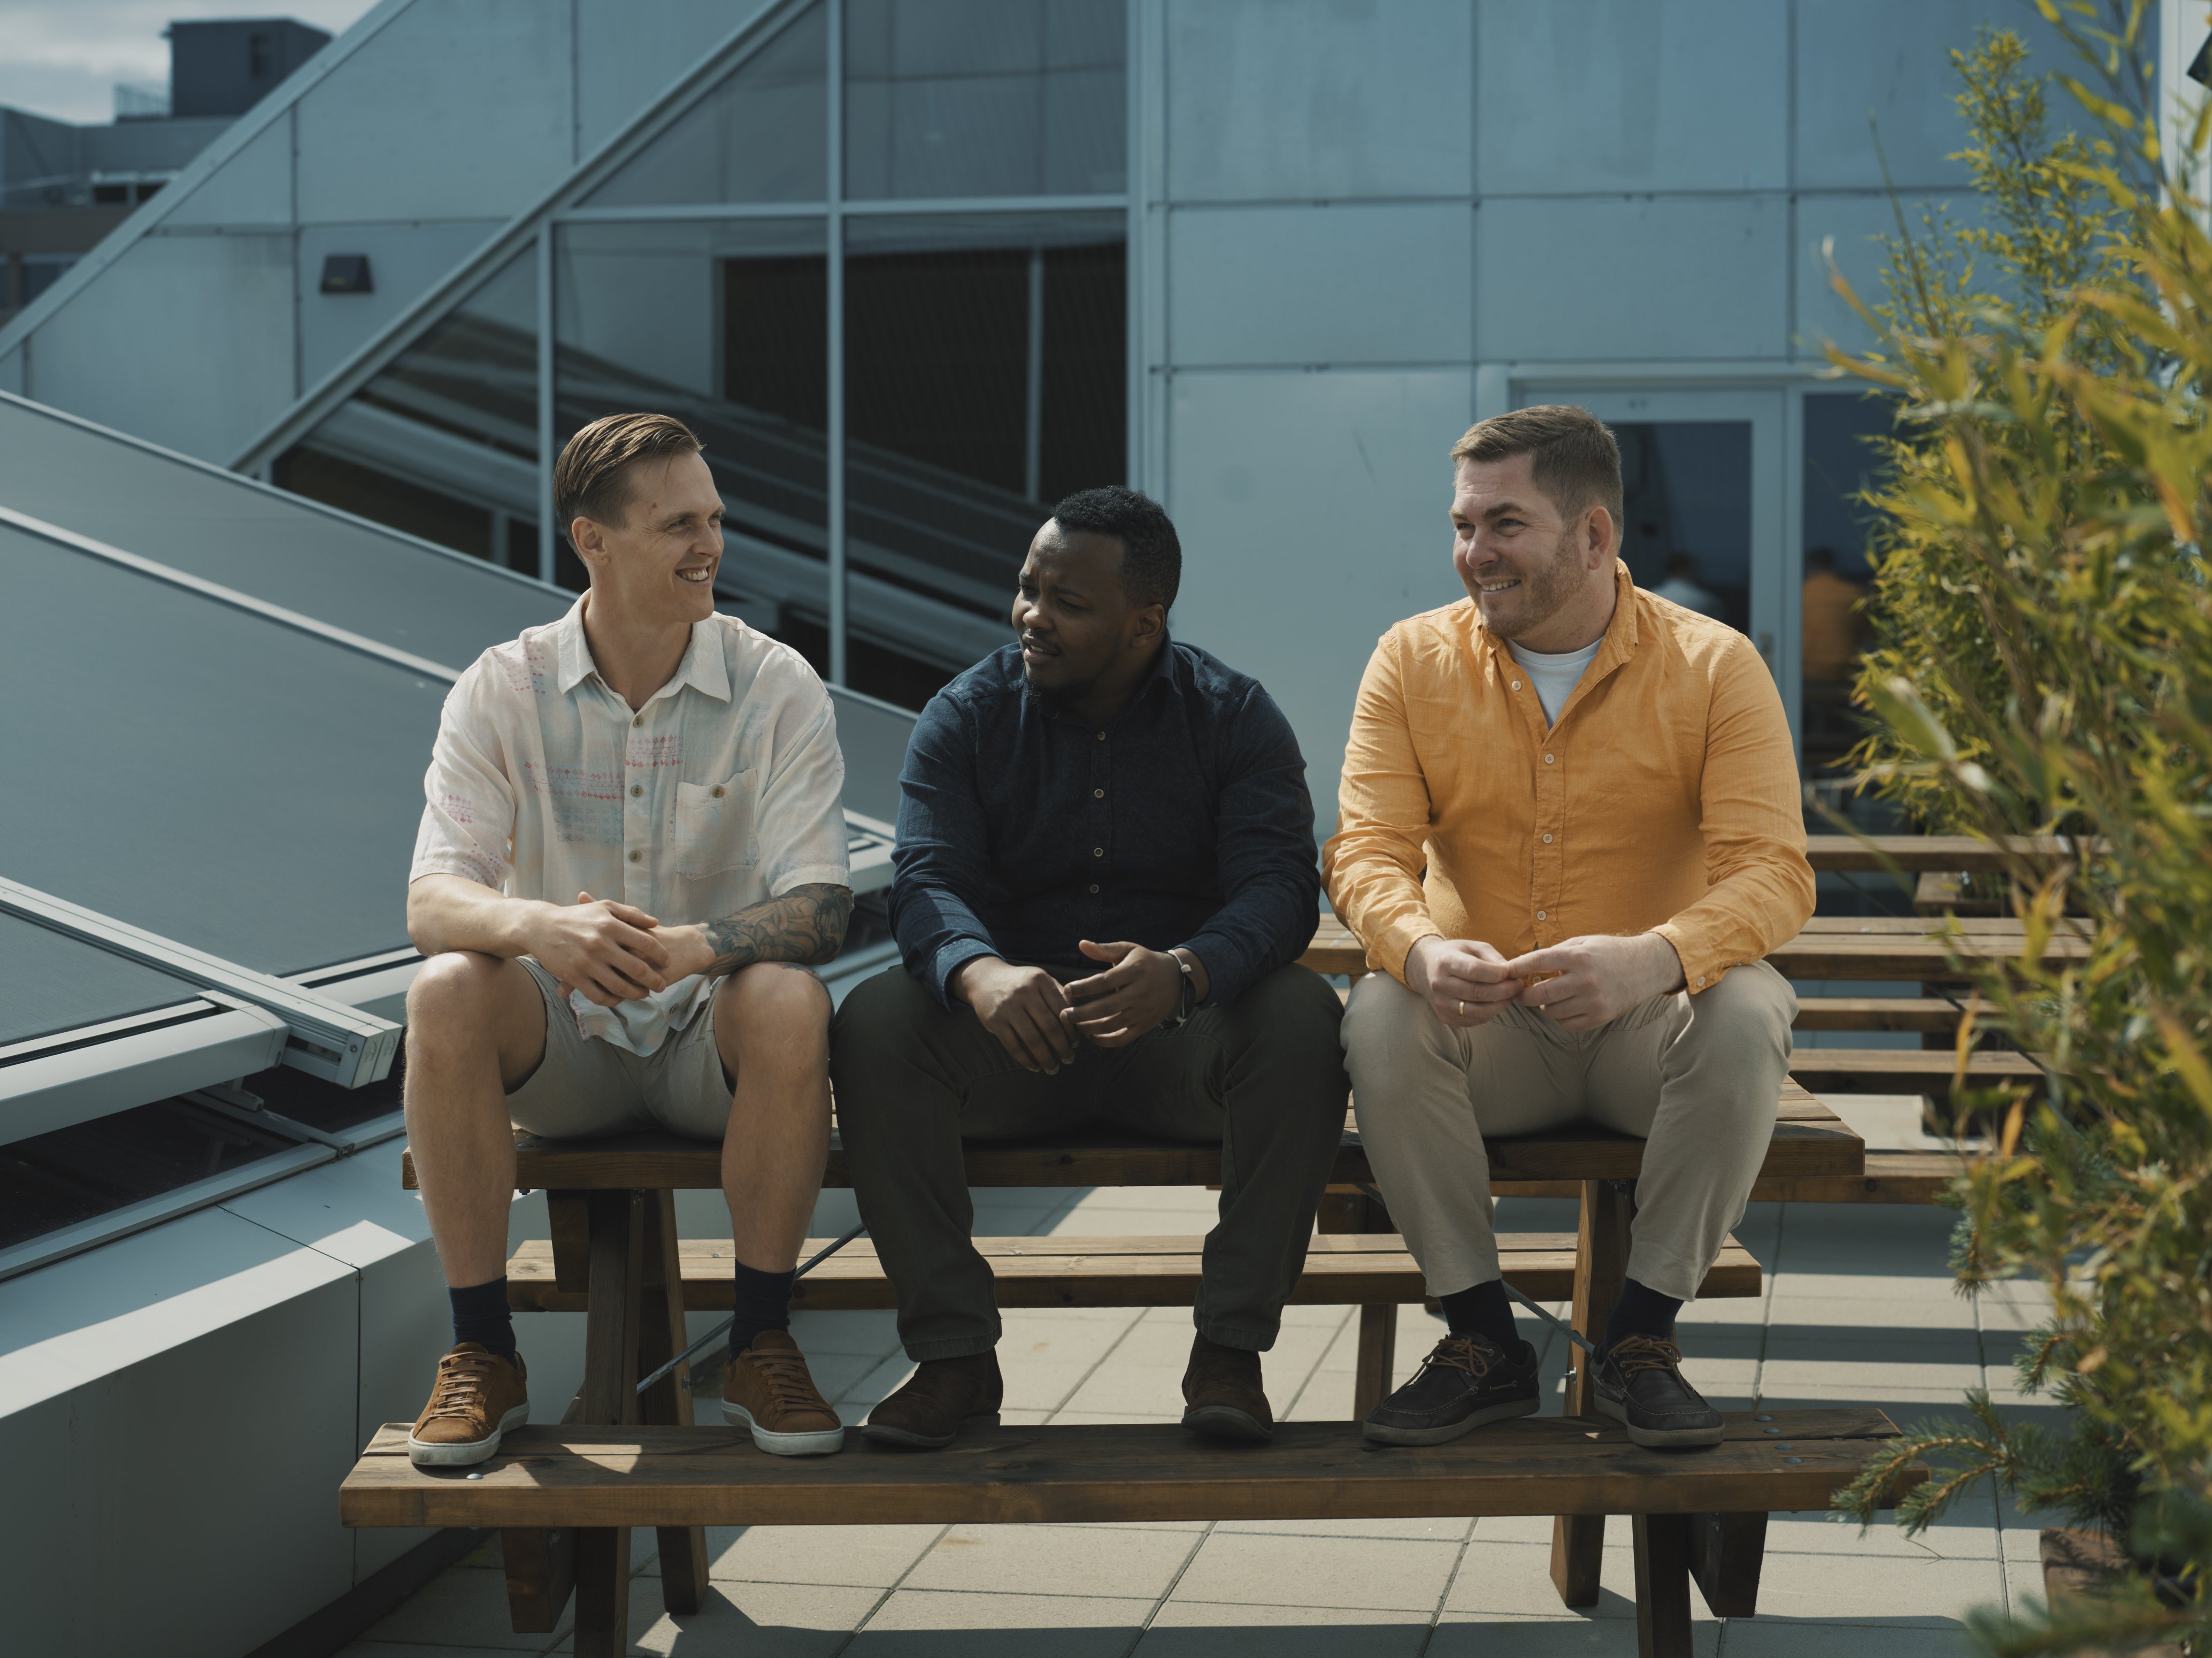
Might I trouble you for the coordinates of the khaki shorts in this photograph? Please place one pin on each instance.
(585, 1087)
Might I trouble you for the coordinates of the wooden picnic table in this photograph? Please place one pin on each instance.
(1829, 947)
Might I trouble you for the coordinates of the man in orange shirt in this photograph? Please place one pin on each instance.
(1570, 828)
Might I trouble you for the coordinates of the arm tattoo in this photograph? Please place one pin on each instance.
(805, 925)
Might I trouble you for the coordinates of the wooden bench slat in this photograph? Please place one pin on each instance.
(630, 1476)
(1908, 1070)
(1342, 1269)
(1809, 1139)
(1904, 1013)
(1961, 853)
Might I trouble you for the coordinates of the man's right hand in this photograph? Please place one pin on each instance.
(1465, 980)
(604, 949)
(1019, 1005)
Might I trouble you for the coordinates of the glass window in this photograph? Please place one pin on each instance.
(1840, 463)
(725, 326)
(984, 379)
(443, 443)
(761, 136)
(953, 98)
(1686, 510)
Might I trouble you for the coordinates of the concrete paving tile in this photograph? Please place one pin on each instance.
(1967, 1531)
(2013, 1317)
(1388, 1573)
(762, 1620)
(1042, 1385)
(1484, 1635)
(857, 1556)
(1515, 1579)
(1431, 1531)
(460, 1608)
(1024, 1419)
(1800, 1366)
(1025, 1341)
(845, 1333)
(1873, 1283)
(1789, 1637)
(1883, 1589)
(933, 1623)
(877, 1385)
(1061, 1560)
(1854, 1312)
(1147, 1389)
(1200, 1629)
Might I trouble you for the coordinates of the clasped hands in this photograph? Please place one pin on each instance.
(1039, 1021)
(612, 951)
(1578, 983)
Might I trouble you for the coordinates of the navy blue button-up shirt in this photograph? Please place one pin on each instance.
(1185, 821)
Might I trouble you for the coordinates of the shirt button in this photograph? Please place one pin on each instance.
(637, 789)
(1094, 887)
(635, 856)
(1102, 737)
(1547, 840)
(1097, 851)
(716, 792)
(1516, 684)
(1701, 984)
(1547, 759)
(1097, 794)
(640, 721)
(1539, 913)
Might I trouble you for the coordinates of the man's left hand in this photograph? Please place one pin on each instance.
(1140, 992)
(1597, 978)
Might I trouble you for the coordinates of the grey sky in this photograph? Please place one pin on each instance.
(62, 58)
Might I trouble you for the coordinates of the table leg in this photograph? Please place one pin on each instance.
(610, 1343)
(1662, 1585)
(668, 1402)
(1600, 1267)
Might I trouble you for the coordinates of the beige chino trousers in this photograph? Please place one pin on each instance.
(1698, 1077)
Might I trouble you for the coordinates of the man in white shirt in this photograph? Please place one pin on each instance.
(632, 853)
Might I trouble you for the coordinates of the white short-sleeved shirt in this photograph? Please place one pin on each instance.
(721, 792)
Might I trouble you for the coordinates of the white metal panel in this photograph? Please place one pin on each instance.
(404, 261)
(630, 52)
(1333, 491)
(1633, 277)
(1354, 283)
(45, 1092)
(1888, 59)
(11, 371)
(114, 1362)
(1583, 95)
(1301, 99)
(456, 109)
(253, 187)
(178, 349)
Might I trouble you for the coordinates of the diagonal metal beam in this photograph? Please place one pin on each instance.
(325, 1039)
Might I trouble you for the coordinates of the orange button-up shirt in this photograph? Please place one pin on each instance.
(1665, 799)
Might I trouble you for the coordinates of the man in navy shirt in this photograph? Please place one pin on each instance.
(1105, 876)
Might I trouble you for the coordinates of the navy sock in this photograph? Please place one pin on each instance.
(1482, 1310)
(763, 1303)
(1640, 1312)
(481, 1314)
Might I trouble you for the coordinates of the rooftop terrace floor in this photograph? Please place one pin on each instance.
(1858, 1308)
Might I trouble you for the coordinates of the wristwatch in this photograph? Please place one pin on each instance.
(1187, 1003)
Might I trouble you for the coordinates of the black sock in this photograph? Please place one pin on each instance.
(1482, 1310)
(763, 1303)
(1640, 1312)
(481, 1314)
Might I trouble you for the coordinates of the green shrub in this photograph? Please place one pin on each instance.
(2044, 667)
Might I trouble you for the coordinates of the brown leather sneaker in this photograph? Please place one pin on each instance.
(767, 1388)
(478, 1396)
(1222, 1391)
(943, 1396)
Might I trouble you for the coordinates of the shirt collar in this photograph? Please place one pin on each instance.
(1615, 645)
(704, 666)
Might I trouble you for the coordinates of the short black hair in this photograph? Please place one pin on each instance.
(1151, 556)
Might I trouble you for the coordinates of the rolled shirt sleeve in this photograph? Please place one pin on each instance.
(468, 813)
(1266, 853)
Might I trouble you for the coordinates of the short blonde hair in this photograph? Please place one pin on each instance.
(590, 479)
(1577, 466)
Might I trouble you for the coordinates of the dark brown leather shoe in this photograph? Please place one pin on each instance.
(942, 1396)
(1221, 1395)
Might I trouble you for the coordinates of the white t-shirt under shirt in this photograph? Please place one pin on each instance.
(1555, 676)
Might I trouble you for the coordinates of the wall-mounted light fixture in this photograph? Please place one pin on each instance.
(346, 273)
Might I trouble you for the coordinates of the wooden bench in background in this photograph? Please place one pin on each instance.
(1696, 1516)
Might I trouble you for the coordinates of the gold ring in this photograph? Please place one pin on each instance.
(1462, 1009)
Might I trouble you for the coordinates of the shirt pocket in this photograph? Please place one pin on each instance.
(715, 827)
